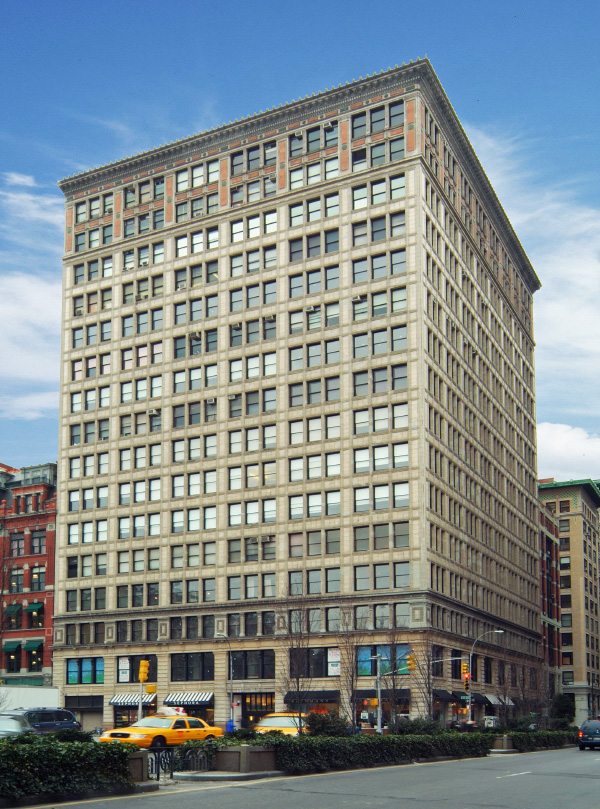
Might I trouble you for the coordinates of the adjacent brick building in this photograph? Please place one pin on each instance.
(27, 542)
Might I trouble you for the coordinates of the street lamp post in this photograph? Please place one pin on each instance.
(478, 638)
(221, 635)
(377, 657)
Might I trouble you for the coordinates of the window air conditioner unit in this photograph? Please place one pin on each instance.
(196, 335)
(104, 438)
(232, 396)
(154, 412)
(358, 298)
(182, 285)
(270, 318)
(328, 126)
(310, 308)
(78, 312)
(142, 297)
(144, 262)
(211, 401)
(298, 134)
(237, 325)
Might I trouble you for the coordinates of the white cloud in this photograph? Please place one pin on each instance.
(13, 178)
(562, 238)
(30, 406)
(567, 453)
(32, 208)
(30, 309)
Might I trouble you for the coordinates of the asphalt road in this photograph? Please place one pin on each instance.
(562, 779)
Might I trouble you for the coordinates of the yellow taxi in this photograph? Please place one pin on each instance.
(285, 722)
(162, 731)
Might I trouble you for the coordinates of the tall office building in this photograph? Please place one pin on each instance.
(297, 390)
(576, 504)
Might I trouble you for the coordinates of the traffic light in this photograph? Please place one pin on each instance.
(143, 671)
(464, 667)
(467, 682)
(411, 662)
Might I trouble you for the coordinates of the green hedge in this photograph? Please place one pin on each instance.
(51, 768)
(540, 739)
(302, 754)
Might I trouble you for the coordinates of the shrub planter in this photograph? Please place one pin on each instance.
(245, 758)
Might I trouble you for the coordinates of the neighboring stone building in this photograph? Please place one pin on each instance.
(550, 594)
(27, 536)
(297, 391)
(576, 504)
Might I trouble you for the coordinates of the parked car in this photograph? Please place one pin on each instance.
(285, 722)
(162, 731)
(589, 734)
(47, 720)
(14, 725)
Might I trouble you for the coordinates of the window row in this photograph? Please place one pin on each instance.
(94, 207)
(379, 228)
(314, 209)
(381, 496)
(195, 343)
(313, 139)
(314, 245)
(91, 335)
(380, 380)
(377, 154)
(315, 504)
(314, 172)
(315, 429)
(382, 576)
(381, 341)
(379, 191)
(377, 458)
(254, 332)
(30, 544)
(251, 262)
(314, 582)
(253, 226)
(252, 295)
(380, 304)
(314, 317)
(314, 354)
(313, 467)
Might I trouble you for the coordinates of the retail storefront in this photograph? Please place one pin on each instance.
(315, 701)
(194, 703)
(88, 709)
(125, 707)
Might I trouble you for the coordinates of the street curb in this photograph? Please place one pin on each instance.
(226, 776)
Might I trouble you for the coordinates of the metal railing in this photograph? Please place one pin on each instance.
(164, 761)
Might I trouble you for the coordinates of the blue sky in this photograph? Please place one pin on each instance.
(82, 84)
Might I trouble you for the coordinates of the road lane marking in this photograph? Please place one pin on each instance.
(512, 774)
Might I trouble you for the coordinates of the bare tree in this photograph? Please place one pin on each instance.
(426, 662)
(294, 622)
(348, 641)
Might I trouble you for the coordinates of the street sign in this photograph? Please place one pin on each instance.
(464, 696)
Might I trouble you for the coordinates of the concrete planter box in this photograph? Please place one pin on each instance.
(503, 743)
(138, 766)
(245, 758)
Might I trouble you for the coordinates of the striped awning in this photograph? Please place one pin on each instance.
(493, 699)
(127, 700)
(508, 701)
(188, 698)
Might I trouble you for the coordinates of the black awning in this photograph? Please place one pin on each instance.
(312, 696)
(188, 698)
(479, 699)
(443, 696)
(371, 693)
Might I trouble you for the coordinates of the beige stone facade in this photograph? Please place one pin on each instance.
(297, 364)
(576, 504)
